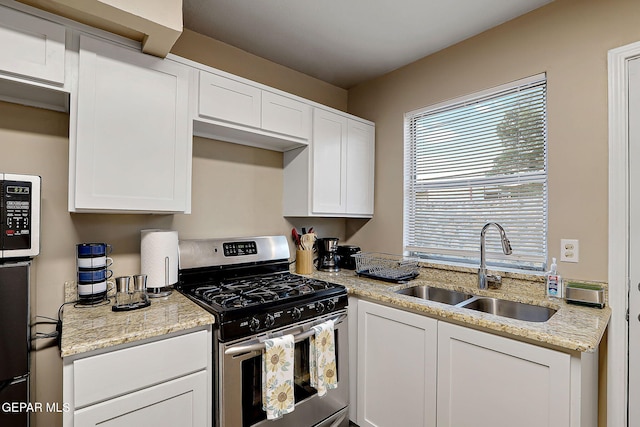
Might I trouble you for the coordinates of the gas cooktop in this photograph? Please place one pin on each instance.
(246, 292)
(247, 285)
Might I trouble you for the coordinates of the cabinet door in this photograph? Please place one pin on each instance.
(285, 115)
(31, 47)
(487, 380)
(181, 402)
(224, 99)
(329, 163)
(396, 367)
(133, 141)
(360, 168)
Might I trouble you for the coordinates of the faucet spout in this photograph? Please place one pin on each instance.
(485, 280)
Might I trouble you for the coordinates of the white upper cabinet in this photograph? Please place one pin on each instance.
(329, 154)
(132, 118)
(130, 149)
(229, 100)
(32, 61)
(360, 170)
(231, 109)
(31, 47)
(335, 176)
(285, 116)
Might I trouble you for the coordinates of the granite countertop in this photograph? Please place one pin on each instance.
(572, 327)
(97, 327)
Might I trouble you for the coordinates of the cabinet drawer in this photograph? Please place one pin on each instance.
(285, 115)
(31, 47)
(181, 402)
(225, 99)
(112, 374)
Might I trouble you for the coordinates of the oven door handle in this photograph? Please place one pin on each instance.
(261, 345)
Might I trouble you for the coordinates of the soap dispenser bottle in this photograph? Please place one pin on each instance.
(554, 281)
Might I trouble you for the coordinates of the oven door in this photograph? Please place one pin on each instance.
(239, 388)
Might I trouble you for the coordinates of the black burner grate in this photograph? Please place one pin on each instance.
(250, 291)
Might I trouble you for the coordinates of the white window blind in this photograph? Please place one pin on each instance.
(475, 160)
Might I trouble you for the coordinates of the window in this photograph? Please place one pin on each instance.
(473, 160)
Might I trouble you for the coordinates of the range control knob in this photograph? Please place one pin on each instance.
(320, 307)
(269, 320)
(254, 324)
(296, 314)
(331, 305)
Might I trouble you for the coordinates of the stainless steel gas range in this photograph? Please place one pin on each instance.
(247, 285)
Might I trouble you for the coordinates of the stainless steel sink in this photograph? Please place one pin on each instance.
(511, 309)
(495, 306)
(444, 296)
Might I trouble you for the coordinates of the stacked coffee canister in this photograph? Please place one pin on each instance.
(93, 272)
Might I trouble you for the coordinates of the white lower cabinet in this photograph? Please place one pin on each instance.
(417, 371)
(396, 367)
(168, 404)
(487, 380)
(162, 383)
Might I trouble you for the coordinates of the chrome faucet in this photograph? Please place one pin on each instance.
(489, 280)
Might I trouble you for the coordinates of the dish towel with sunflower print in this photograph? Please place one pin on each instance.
(277, 376)
(322, 355)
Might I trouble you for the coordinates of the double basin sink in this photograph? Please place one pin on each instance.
(495, 306)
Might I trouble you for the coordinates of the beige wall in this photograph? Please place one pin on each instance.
(214, 53)
(237, 191)
(567, 39)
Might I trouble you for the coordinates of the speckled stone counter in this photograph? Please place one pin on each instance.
(572, 327)
(91, 328)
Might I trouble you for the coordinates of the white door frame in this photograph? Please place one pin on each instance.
(617, 371)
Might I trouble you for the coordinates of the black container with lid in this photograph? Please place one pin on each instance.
(345, 260)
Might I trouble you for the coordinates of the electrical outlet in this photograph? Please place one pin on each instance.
(569, 250)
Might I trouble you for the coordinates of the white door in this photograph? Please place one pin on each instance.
(329, 163)
(634, 242)
(397, 359)
(133, 144)
(360, 168)
(488, 380)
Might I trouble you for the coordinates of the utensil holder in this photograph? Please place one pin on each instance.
(304, 261)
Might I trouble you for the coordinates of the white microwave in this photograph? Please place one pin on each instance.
(20, 216)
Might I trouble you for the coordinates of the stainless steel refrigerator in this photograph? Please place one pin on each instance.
(14, 343)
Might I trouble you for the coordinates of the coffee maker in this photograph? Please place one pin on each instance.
(328, 254)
